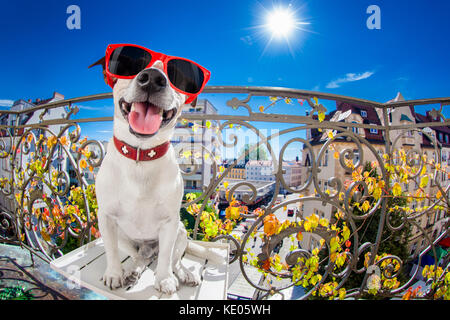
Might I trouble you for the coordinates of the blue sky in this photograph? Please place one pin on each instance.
(338, 54)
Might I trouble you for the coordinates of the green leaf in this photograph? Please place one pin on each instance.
(334, 244)
(345, 233)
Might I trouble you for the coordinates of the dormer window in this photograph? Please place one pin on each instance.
(364, 113)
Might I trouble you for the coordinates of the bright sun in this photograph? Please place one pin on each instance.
(281, 22)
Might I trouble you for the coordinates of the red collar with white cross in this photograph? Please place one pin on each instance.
(141, 154)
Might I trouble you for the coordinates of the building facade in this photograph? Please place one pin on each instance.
(411, 141)
(10, 137)
(262, 170)
(196, 146)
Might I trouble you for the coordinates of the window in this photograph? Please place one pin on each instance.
(355, 156)
(364, 113)
(355, 129)
(374, 131)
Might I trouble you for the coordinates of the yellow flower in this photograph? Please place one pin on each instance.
(51, 141)
(397, 189)
(321, 116)
(424, 182)
(83, 164)
(366, 206)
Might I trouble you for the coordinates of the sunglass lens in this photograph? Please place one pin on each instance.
(185, 75)
(128, 61)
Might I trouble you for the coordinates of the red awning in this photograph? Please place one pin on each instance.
(445, 242)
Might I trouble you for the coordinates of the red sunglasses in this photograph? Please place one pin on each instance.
(125, 61)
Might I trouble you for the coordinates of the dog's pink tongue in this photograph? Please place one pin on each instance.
(144, 118)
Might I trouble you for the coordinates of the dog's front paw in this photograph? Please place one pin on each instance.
(167, 285)
(187, 277)
(113, 278)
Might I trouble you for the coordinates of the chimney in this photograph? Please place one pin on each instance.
(58, 96)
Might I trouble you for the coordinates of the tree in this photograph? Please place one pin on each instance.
(256, 153)
(392, 242)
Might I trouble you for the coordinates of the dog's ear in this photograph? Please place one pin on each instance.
(194, 103)
(101, 62)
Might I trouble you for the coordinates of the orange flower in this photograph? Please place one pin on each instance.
(56, 211)
(64, 141)
(271, 224)
(266, 264)
(258, 211)
(83, 164)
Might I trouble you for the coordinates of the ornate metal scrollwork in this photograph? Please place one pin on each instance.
(49, 182)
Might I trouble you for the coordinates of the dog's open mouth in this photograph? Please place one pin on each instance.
(145, 118)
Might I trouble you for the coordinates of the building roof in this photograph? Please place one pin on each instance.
(341, 113)
(263, 163)
(404, 117)
(440, 131)
(268, 163)
(398, 98)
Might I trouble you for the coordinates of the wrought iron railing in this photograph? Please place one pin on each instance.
(48, 200)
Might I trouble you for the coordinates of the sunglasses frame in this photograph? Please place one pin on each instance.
(156, 56)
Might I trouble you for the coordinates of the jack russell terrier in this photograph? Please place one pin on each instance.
(139, 186)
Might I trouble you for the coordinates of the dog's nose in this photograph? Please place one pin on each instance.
(151, 80)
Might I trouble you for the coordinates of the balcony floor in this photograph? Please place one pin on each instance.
(17, 269)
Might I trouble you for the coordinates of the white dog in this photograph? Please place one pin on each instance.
(139, 186)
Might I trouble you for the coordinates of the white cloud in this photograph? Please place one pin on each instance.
(247, 40)
(6, 102)
(84, 107)
(349, 77)
(87, 107)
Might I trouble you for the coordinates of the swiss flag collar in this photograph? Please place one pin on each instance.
(141, 154)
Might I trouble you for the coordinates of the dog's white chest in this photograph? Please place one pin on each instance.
(141, 196)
